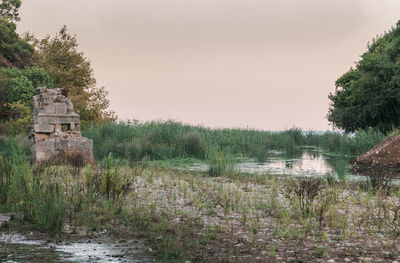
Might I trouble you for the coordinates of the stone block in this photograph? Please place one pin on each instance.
(41, 137)
(43, 128)
(51, 110)
(61, 108)
(43, 151)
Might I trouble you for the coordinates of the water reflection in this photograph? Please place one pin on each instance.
(309, 162)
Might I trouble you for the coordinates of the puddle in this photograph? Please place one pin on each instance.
(18, 248)
(99, 252)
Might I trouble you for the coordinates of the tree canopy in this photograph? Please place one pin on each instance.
(9, 10)
(70, 69)
(53, 62)
(369, 94)
(17, 87)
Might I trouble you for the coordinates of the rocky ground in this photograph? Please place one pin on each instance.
(176, 214)
(259, 218)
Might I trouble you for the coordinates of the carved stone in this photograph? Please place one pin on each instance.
(55, 134)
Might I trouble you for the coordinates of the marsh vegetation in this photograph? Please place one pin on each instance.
(143, 185)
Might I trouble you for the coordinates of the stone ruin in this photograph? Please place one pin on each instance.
(56, 134)
(382, 160)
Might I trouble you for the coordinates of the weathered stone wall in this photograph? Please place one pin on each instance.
(55, 133)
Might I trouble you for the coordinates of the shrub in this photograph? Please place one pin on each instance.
(217, 162)
(193, 144)
(261, 154)
(302, 193)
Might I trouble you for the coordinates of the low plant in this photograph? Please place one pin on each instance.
(302, 192)
(218, 163)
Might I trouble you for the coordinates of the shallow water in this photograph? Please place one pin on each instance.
(308, 161)
(18, 248)
(306, 164)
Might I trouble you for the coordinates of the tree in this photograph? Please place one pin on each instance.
(17, 87)
(369, 94)
(9, 10)
(70, 69)
(14, 51)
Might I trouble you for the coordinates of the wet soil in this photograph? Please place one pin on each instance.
(19, 243)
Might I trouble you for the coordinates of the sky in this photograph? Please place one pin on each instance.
(263, 64)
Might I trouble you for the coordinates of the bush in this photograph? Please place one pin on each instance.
(193, 143)
(302, 193)
(261, 154)
(217, 162)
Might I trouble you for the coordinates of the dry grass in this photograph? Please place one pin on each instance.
(275, 220)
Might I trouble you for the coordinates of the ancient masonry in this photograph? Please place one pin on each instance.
(56, 133)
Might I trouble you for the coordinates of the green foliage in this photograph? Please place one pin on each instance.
(194, 145)
(70, 69)
(8, 36)
(173, 242)
(261, 154)
(9, 10)
(39, 199)
(20, 117)
(167, 140)
(368, 96)
(47, 196)
(14, 167)
(134, 141)
(17, 88)
(14, 51)
(217, 162)
(19, 85)
(58, 64)
(302, 193)
(16, 148)
(44, 202)
(113, 183)
(349, 144)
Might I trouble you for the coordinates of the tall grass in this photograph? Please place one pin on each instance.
(48, 196)
(167, 140)
(346, 144)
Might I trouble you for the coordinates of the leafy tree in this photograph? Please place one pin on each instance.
(19, 119)
(70, 69)
(14, 51)
(20, 84)
(9, 10)
(17, 86)
(369, 94)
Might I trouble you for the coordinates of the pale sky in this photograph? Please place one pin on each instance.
(265, 64)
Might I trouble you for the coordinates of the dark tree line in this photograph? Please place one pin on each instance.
(369, 94)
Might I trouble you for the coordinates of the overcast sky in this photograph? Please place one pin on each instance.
(265, 64)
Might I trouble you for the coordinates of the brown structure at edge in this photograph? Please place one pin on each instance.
(383, 159)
